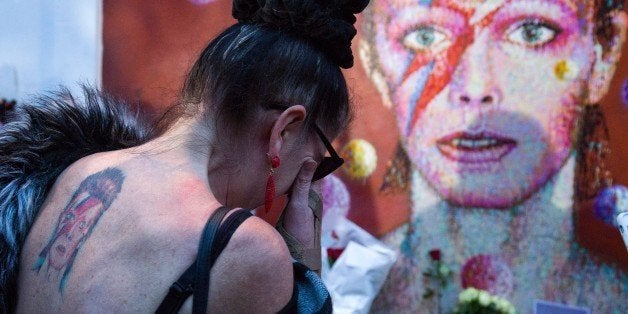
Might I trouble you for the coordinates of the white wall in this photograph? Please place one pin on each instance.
(45, 43)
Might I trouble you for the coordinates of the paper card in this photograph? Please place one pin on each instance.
(546, 307)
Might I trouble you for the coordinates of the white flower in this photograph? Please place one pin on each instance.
(493, 299)
(484, 298)
(468, 295)
(503, 305)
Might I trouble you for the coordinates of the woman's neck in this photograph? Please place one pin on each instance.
(189, 148)
(192, 145)
(187, 143)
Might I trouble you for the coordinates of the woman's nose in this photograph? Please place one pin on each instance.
(473, 81)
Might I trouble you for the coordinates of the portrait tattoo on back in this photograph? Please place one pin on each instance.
(77, 221)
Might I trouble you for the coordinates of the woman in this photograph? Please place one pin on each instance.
(123, 219)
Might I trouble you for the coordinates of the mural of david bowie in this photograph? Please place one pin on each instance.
(487, 97)
(90, 201)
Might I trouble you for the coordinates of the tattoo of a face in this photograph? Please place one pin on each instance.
(77, 221)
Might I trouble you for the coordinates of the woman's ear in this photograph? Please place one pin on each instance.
(288, 124)
(606, 59)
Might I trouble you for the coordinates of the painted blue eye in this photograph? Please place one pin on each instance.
(532, 33)
(426, 38)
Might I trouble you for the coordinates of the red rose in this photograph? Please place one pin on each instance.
(435, 254)
(334, 253)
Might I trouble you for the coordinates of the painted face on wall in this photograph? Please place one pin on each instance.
(486, 93)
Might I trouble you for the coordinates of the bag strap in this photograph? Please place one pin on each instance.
(209, 249)
(178, 293)
(203, 267)
(226, 231)
(184, 286)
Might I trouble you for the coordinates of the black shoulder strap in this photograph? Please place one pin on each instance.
(215, 241)
(183, 287)
(226, 231)
(207, 254)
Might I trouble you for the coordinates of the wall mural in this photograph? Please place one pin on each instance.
(488, 96)
(477, 143)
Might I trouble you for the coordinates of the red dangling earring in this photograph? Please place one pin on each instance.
(270, 184)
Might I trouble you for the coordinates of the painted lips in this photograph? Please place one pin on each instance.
(474, 148)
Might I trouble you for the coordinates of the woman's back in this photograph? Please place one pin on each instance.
(118, 228)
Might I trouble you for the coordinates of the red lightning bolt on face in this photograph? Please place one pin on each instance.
(444, 67)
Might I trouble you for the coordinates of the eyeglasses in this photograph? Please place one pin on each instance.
(328, 164)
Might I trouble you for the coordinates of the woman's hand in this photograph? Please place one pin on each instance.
(302, 218)
(298, 217)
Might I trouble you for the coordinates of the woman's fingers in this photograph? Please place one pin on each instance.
(299, 220)
(301, 185)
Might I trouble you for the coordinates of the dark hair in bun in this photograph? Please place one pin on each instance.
(281, 52)
(328, 24)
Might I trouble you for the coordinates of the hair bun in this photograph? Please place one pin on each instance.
(328, 24)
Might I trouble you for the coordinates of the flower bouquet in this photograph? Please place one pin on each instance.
(474, 301)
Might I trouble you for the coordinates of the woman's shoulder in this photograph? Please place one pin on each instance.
(257, 262)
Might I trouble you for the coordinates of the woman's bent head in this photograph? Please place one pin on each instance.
(265, 84)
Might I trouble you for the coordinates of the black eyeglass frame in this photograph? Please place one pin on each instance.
(328, 164)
